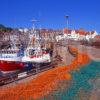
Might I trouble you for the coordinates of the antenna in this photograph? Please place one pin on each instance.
(33, 22)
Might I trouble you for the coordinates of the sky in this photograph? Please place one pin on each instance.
(51, 13)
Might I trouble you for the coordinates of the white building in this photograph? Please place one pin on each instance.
(76, 35)
(25, 30)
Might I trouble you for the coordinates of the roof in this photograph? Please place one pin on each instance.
(97, 37)
(81, 32)
(67, 31)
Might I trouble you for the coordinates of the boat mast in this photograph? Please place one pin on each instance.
(36, 33)
(33, 24)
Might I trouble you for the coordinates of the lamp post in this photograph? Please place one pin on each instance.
(66, 16)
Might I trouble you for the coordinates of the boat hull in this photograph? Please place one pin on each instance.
(10, 66)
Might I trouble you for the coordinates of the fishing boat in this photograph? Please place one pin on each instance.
(14, 59)
(34, 52)
(10, 60)
(36, 55)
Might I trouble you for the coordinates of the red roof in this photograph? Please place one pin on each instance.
(67, 31)
(81, 32)
(97, 36)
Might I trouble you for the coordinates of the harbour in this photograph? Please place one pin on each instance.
(49, 50)
(57, 93)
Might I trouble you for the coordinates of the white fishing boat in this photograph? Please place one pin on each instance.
(34, 52)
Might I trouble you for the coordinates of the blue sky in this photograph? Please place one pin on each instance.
(50, 13)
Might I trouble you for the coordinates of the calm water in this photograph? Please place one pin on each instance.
(81, 82)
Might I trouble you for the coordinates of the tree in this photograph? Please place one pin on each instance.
(5, 29)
